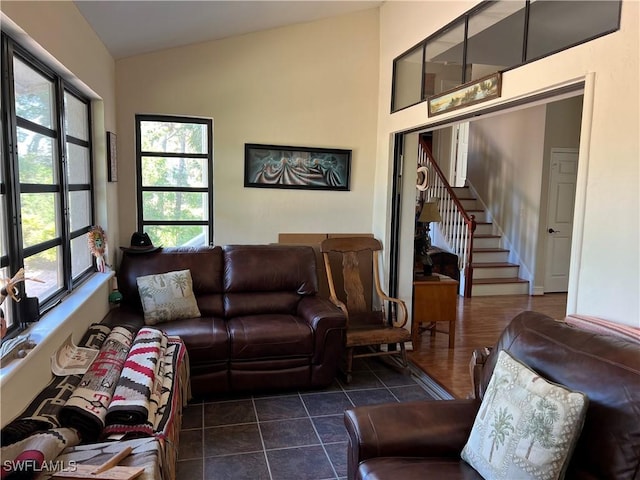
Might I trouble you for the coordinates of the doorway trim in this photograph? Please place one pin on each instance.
(585, 85)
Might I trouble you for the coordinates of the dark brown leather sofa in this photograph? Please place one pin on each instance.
(262, 326)
(424, 439)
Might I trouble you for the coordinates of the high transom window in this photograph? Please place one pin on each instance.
(496, 36)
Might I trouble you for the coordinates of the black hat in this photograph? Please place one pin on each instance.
(140, 243)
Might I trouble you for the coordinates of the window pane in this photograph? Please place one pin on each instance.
(79, 209)
(173, 137)
(34, 94)
(80, 256)
(549, 21)
(443, 60)
(35, 157)
(38, 217)
(78, 164)
(76, 117)
(407, 81)
(181, 236)
(495, 38)
(174, 206)
(45, 267)
(174, 172)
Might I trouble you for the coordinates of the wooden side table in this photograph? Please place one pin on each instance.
(434, 300)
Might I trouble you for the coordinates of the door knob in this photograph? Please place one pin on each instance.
(551, 230)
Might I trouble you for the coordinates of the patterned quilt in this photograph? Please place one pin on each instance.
(31, 444)
(86, 409)
(42, 412)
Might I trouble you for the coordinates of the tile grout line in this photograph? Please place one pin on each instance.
(264, 448)
(326, 454)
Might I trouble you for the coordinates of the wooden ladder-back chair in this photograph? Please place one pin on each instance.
(367, 327)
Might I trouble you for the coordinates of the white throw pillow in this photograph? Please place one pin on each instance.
(167, 296)
(526, 427)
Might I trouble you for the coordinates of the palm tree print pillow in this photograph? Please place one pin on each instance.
(526, 427)
(167, 296)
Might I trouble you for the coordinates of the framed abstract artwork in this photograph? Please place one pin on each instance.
(274, 166)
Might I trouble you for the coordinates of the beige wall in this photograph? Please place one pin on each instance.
(505, 167)
(608, 194)
(312, 84)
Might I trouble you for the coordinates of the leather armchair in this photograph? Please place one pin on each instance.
(424, 439)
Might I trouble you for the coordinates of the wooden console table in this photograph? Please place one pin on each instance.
(434, 300)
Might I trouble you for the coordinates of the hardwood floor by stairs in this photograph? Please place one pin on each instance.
(480, 322)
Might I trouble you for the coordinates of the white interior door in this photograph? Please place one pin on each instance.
(562, 192)
(461, 149)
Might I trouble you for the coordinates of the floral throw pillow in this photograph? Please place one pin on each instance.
(526, 427)
(167, 296)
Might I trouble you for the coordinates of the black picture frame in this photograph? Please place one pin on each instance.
(112, 158)
(307, 168)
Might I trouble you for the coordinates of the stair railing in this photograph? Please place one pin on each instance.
(457, 226)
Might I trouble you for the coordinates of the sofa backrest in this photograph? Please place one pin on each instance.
(605, 368)
(267, 278)
(205, 264)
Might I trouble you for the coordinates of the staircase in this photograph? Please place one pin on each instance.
(492, 272)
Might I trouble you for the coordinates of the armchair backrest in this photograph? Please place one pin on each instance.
(604, 367)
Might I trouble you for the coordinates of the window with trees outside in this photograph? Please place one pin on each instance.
(174, 164)
(46, 189)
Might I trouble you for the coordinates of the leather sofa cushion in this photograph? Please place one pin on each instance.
(416, 468)
(204, 263)
(270, 268)
(206, 338)
(256, 303)
(267, 336)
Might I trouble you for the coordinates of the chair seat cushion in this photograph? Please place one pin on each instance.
(361, 336)
(269, 336)
(410, 468)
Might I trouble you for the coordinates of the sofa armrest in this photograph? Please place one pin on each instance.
(125, 316)
(327, 321)
(427, 428)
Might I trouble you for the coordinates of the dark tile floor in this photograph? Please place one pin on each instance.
(287, 436)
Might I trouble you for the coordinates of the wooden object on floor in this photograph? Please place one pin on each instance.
(109, 470)
(434, 300)
(366, 322)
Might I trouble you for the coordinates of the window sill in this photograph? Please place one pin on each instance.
(23, 378)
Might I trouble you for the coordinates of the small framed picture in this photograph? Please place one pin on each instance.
(112, 158)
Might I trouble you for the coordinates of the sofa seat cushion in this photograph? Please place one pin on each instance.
(418, 468)
(268, 336)
(206, 338)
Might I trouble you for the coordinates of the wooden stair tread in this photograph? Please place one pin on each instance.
(485, 281)
(493, 265)
(486, 235)
(485, 250)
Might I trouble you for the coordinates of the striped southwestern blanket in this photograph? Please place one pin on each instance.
(131, 402)
(42, 412)
(162, 406)
(86, 409)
